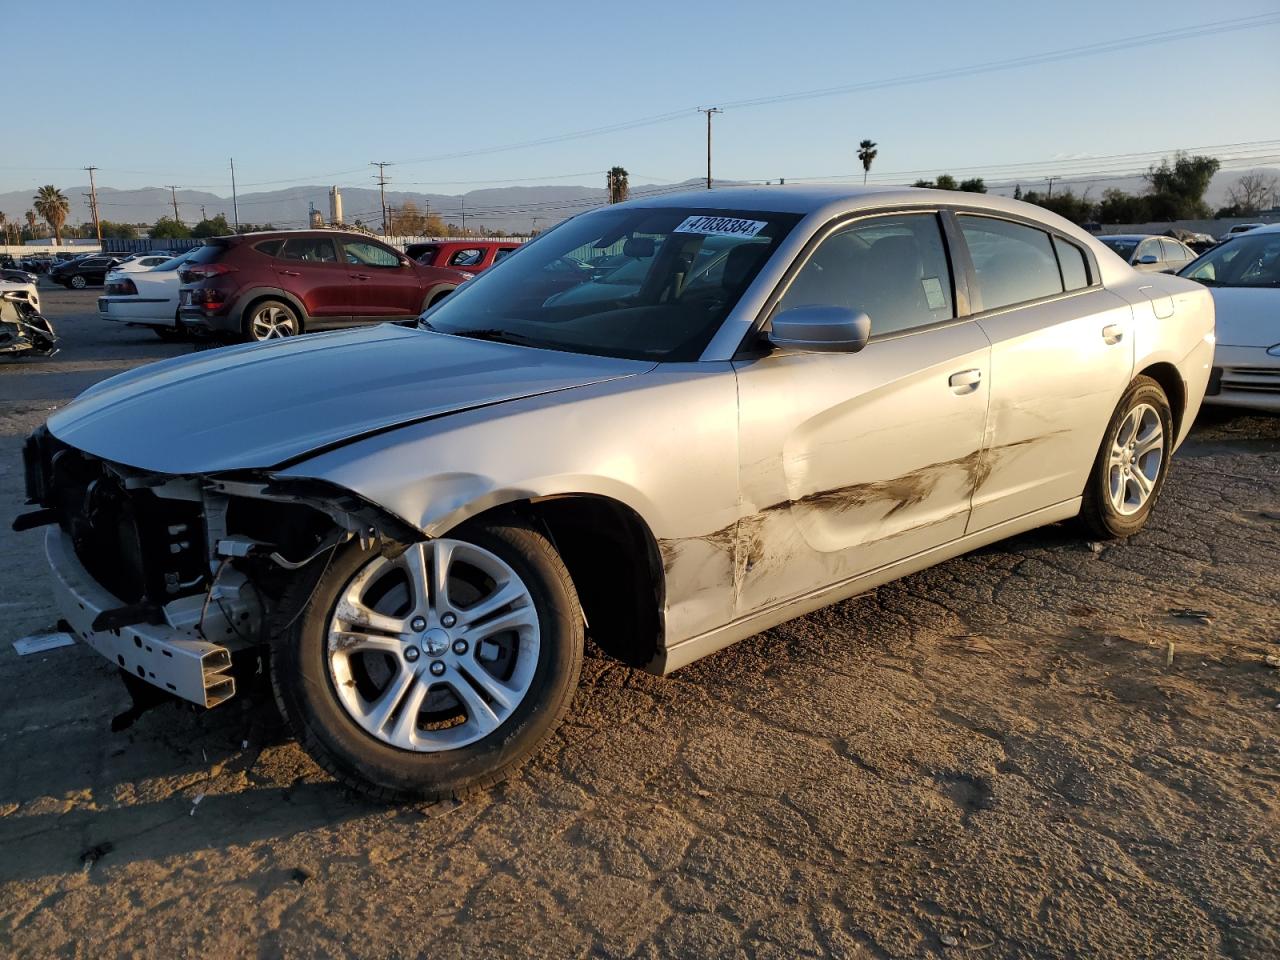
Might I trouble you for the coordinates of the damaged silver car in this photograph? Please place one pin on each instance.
(798, 394)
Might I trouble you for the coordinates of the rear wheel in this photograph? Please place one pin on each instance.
(436, 670)
(271, 320)
(1132, 463)
(79, 282)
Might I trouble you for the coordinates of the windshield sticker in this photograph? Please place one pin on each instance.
(722, 226)
(933, 293)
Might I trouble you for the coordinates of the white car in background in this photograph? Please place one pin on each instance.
(1244, 275)
(145, 298)
(1238, 229)
(25, 290)
(144, 261)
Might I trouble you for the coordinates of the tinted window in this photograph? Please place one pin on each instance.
(1075, 271)
(1124, 248)
(1014, 263)
(503, 253)
(208, 253)
(311, 249)
(270, 247)
(893, 268)
(466, 258)
(369, 254)
(1251, 260)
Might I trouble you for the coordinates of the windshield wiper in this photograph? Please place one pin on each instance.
(492, 334)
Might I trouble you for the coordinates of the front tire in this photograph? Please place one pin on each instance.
(79, 282)
(434, 671)
(1132, 463)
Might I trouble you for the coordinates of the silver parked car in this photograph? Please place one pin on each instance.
(418, 525)
(1148, 253)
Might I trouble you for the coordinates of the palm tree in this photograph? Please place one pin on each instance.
(4, 227)
(866, 153)
(619, 189)
(31, 223)
(51, 204)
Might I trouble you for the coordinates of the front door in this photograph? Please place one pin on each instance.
(383, 288)
(850, 462)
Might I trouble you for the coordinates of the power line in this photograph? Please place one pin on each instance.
(382, 187)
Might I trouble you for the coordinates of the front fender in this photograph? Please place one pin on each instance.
(664, 444)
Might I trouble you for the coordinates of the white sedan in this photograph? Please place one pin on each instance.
(145, 298)
(1244, 275)
(140, 262)
(27, 290)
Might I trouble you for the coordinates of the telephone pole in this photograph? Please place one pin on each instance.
(382, 188)
(1051, 179)
(235, 206)
(464, 216)
(709, 111)
(173, 192)
(93, 204)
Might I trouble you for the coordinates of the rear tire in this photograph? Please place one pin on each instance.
(413, 699)
(1132, 463)
(79, 282)
(271, 320)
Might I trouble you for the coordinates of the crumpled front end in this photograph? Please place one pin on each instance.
(177, 579)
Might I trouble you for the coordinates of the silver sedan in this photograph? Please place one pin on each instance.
(804, 393)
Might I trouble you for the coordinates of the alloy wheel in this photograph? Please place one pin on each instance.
(1135, 459)
(271, 322)
(434, 649)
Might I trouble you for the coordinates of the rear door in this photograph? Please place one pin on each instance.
(384, 287)
(1061, 356)
(309, 268)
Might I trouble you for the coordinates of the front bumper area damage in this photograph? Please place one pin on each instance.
(178, 580)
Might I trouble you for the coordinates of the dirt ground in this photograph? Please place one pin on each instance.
(992, 758)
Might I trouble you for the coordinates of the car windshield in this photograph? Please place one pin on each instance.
(685, 269)
(1250, 260)
(1123, 247)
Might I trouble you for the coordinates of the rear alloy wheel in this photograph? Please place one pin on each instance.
(79, 282)
(1131, 465)
(271, 320)
(435, 670)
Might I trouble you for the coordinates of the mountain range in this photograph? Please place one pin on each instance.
(508, 209)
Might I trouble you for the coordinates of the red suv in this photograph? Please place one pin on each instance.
(470, 255)
(259, 286)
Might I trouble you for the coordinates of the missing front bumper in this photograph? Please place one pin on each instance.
(175, 659)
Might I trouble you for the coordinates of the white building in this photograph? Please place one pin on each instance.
(335, 205)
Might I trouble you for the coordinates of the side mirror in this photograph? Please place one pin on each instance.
(821, 329)
(1147, 258)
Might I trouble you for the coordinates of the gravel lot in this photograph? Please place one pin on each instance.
(991, 758)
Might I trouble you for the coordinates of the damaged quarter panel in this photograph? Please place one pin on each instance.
(663, 444)
(263, 404)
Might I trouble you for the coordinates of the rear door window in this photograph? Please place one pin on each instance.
(270, 247)
(310, 250)
(469, 257)
(503, 253)
(1075, 269)
(1014, 263)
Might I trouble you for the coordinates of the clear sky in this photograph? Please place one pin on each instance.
(309, 92)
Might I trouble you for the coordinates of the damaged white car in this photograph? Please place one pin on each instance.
(808, 392)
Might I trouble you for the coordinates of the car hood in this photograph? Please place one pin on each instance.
(1247, 316)
(262, 405)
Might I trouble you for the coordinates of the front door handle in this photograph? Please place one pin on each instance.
(1112, 333)
(966, 381)
(290, 273)
(358, 276)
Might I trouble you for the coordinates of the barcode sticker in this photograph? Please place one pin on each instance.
(722, 226)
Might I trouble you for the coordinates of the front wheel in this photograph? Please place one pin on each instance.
(432, 671)
(1132, 463)
(79, 282)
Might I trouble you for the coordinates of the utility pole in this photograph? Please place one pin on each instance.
(464, 215)
(382, 187)
(709, 111)
(1050, 191)
(93, 204)
(173, 192)
(235, 206)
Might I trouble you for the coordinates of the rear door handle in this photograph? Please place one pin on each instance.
(358, 276)
(1111, 333)
(290, 273)
(966, 381)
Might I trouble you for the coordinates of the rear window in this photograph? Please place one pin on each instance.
(1075, 272)
(209, 253)
(467, 258)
